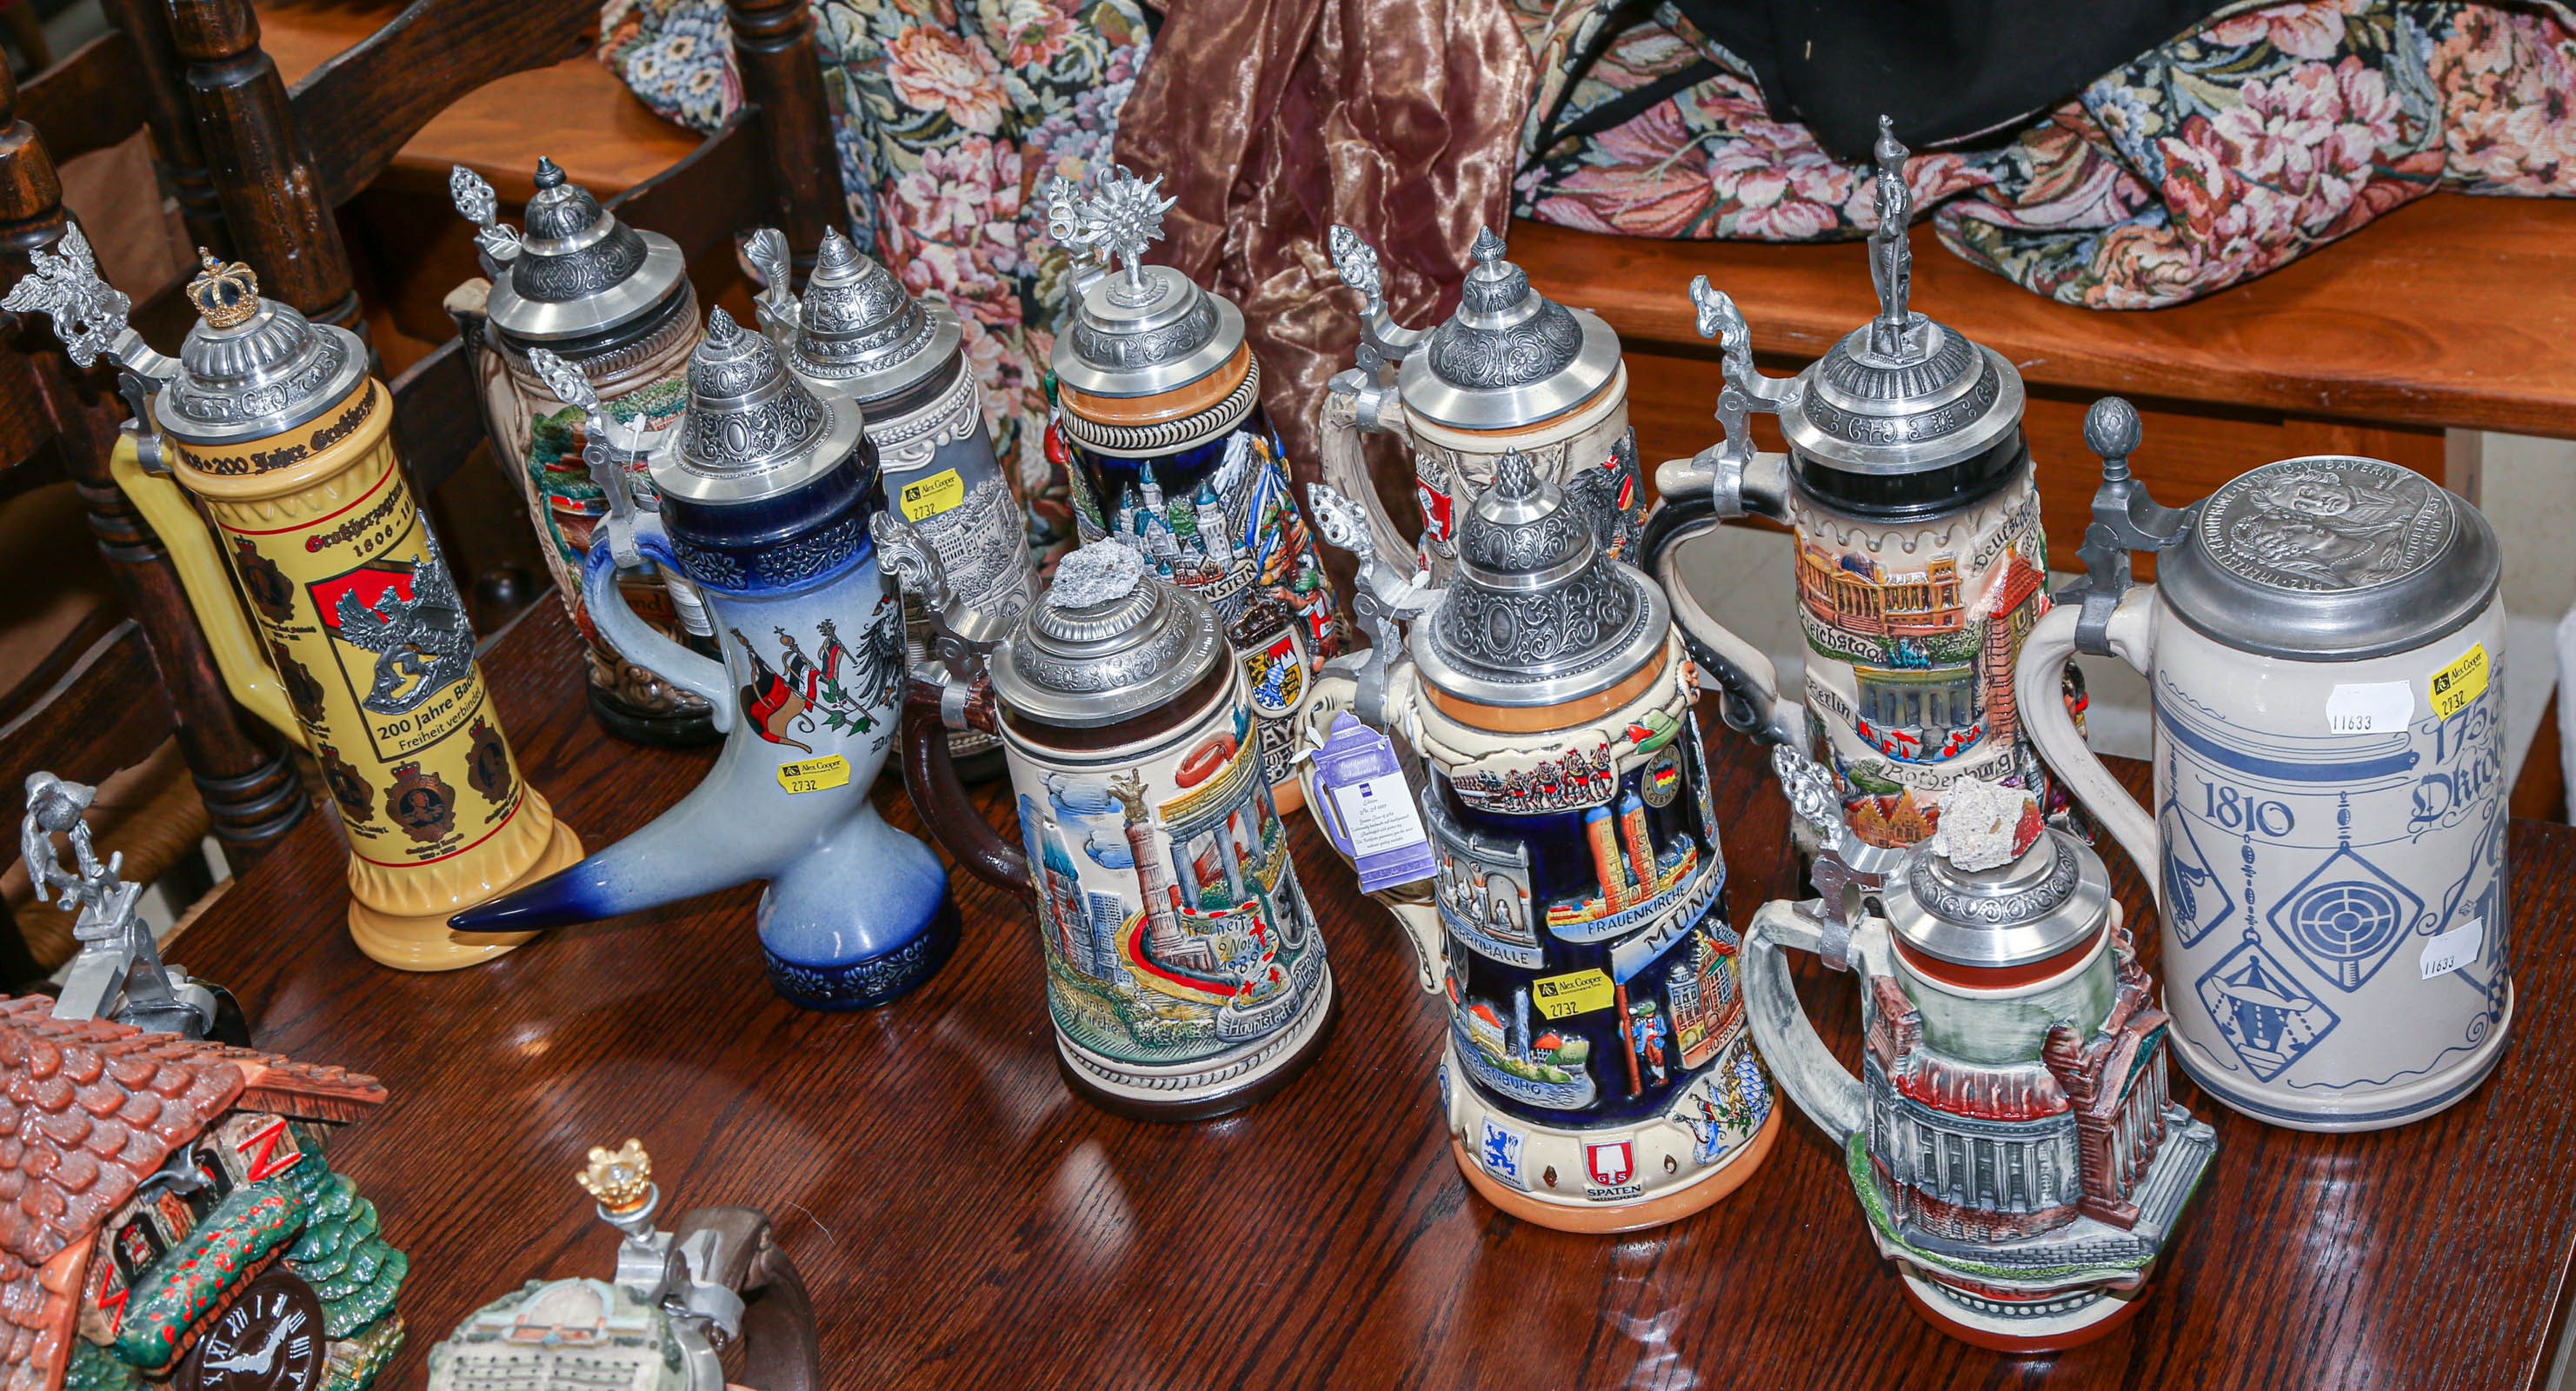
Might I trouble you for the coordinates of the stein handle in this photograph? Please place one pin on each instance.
(1786, 1037)
(1345, 468)
(640, 642)
(204, 579)
(930, 775)
(2038, 691)
(1746, 678)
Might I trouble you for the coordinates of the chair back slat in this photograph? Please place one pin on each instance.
(103, 713)
(357, 110)
(437, 419)
(88, 101)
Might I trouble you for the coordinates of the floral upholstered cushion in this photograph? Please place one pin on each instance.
(2218, 156)
(946, 114)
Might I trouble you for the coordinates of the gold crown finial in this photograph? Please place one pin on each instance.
(226, 293)
(620, 1179)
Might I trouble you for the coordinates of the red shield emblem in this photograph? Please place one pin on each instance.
(1435, 509)
(1612, 1162)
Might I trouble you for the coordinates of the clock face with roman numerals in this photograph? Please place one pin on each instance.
(270, 1339)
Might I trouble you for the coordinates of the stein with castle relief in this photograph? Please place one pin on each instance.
(1597, 1076)
(1168, 452)
(1919, 562)
(362, 651)
(2325, 644)
(2010, 1138)
(614, 302)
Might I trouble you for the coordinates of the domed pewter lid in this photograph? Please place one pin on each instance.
(753, 428)
(1137, 330)
(252, 367)
(1510, 357)
(1537, 615)
(2331, 557)
(856, 325)
(1970, 901)
(1104, 643)
(1902, 394)
(576, 271)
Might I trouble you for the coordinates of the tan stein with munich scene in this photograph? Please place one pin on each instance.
(360, 649)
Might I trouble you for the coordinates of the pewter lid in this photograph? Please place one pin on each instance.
(2331, 557)
(1536, 615)
(1104, 643)
(753, 428)
(1510, 357)
(1902, 394)
(577, 270)
(1137, 330)
(857, 325)
(252, 367)
(2037, 905)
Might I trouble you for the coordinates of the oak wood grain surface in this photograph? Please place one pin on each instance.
(2449, 311)
(964, 1222)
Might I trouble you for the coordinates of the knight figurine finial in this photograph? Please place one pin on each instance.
(1891, 256)
(117, 973)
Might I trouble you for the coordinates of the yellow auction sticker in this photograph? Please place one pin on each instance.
(928, 497)
(814, 774)
(2464, 680)
(1563, 997)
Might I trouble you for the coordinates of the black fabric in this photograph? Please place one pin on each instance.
(1944, 70)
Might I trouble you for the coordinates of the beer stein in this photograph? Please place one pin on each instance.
(1512, 369)
(363, 654)
(2010, 1137)
(1920, 559)
(764, 491)
(1158, 419)
(614, 302)
(1597, 1075)
(1185, 974)
(2324, 642)
(675, 1302)
(902, 359)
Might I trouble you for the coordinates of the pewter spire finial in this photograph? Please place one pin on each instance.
(836, 253)
(1513, 476)
(549, 173)
(1488, 248)
(721, 329)
(1891, 256)
(2112, 430)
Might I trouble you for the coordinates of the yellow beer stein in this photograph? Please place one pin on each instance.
(358, 647)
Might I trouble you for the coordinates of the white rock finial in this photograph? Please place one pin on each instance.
(1978, 822)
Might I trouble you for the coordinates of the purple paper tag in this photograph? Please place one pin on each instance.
(1366, 808)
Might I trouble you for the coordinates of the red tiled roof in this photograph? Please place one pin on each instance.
(87, 1110)
(2023, 1093)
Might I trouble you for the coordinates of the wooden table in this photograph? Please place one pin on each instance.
(964, 1222)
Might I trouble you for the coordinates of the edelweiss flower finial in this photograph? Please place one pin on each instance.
(1115, 221)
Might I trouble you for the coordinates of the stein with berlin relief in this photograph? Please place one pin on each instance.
(2324, 642)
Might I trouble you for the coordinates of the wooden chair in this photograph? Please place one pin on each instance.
(272, 191)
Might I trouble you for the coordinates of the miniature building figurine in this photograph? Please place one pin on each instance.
(168, 1217)
(676, 1302)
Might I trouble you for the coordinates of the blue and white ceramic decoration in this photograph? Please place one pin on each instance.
(2324, 645)
(765, 491)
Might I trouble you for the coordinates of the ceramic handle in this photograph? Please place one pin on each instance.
(1345, 468)
(640, 642)
(930, 775)
(209, 587)
(1806, 1069)
(2038, 689)
(1744, 674)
